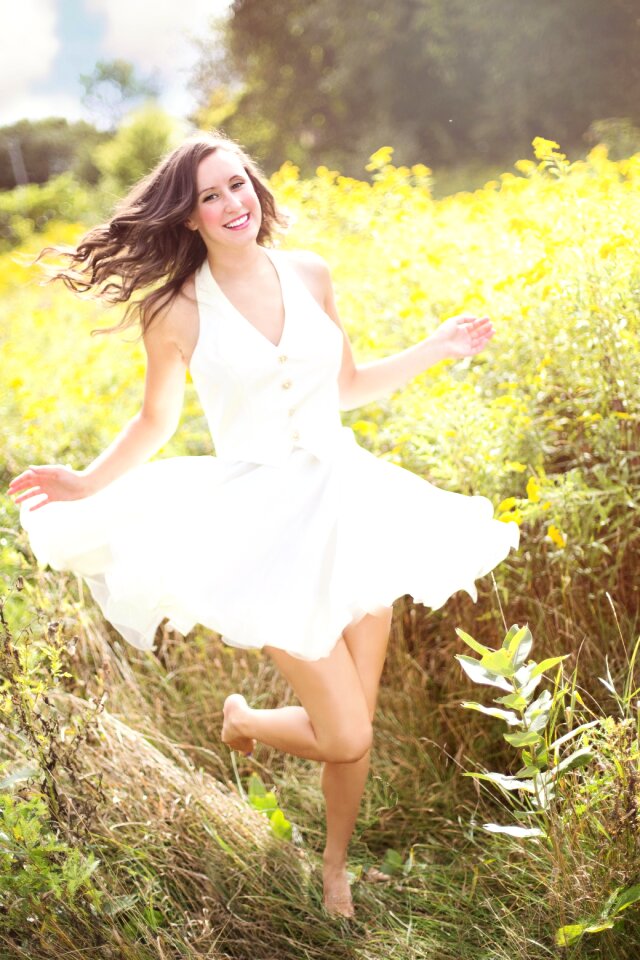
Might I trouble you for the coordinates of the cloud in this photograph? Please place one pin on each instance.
(155, 36)
(28, 47)
(37, 106)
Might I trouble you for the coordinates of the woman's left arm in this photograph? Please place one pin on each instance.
(459, 336)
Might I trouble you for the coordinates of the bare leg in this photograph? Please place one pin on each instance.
(343, 783)
(338, 694)
(333, 722)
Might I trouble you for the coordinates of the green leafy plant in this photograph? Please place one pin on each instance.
(265, 801)
(533, 719)
(529, 719)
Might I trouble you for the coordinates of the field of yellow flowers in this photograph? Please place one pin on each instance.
(545, 422)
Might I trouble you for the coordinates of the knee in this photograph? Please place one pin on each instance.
(347, 748)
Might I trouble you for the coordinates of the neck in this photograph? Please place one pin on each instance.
(236, 263)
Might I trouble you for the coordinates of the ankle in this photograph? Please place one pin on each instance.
(334, 860)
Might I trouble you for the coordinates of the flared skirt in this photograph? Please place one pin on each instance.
(285, 556)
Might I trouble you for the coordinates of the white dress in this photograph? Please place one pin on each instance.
(292, 531)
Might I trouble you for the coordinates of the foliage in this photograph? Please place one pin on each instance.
(266, 802)
(142, 139)
(34, 151)
(536, 789)
(446, 82)
(31, 208)
(36, 857)
(112, 89)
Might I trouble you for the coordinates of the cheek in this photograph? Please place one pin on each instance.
(209, 214)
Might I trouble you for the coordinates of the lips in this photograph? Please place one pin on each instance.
(238, 222)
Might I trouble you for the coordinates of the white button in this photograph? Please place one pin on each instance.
(295, 435)
(282, 358)
(286, 384)
(291, 412)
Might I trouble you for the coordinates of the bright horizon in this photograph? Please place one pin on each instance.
(46, 44)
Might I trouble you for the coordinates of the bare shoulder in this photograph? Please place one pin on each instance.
(176, 325)
(313, 271)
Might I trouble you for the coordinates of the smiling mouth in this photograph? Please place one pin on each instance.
(239, 222)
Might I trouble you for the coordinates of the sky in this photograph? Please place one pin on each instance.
(46, 44)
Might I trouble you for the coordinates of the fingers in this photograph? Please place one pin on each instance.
(32, 492)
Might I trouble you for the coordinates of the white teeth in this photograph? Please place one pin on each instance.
(235, 223)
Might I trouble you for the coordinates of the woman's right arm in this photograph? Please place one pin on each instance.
(143, 436)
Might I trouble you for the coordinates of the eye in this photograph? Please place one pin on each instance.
(238, 183)
(209, 197)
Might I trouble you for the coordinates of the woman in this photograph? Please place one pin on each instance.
(293, 538)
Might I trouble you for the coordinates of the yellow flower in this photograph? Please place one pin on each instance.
(554, 534)
(525, 166)
(380, 158)
(515, 465)
(533, 490)
(507, 504)
(546, 148)
(513, 515)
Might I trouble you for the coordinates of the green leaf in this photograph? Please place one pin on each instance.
(543, 702)
(507, 715)
(545, 665)
(479, 675)
(526, 738)
(599, 926)
(529, 771)
(520, 646)
(498, 661)
(507, 783)
(392, 863)
(626, 899)
(579, 758)
(574, 733)
(524, 832)
(565, 936)
(470, 642)
(513, 700)
(510, 634)
(256, 787)
(280, 826)
(266, 804)
(540, 721)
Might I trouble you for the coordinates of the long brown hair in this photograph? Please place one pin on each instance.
(146, 241)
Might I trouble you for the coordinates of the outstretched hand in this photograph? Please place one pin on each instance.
(463, 335)
(55, 482)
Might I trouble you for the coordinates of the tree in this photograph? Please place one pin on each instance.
(144, 137)
(441, 80)
(33, 151)
(113, 89)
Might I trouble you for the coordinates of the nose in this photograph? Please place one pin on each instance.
(233, 202)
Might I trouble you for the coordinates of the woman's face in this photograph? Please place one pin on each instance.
(227, 211)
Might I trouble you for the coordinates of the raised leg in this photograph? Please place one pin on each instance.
(332, 723)
(338, 695)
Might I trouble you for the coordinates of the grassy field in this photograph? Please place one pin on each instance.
(127, 830)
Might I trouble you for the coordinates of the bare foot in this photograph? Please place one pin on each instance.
(337, 892)
(234, 709)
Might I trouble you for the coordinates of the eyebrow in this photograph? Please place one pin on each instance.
(232, 177)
